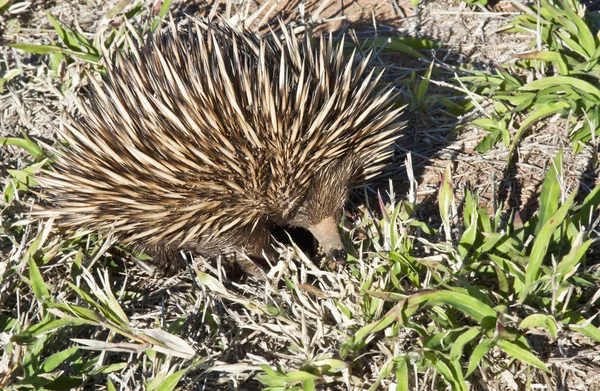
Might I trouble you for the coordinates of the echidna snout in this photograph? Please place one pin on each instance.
(327, 234)
(339, 255)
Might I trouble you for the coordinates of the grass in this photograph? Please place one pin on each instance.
(558, 76)
(444, 297)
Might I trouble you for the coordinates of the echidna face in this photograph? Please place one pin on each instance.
(322, 208)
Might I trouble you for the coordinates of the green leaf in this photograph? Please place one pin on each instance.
(457, 347)
(406, 308)
(68, 39)
(540, 245)
(551, 191)
(587, 208)
(521, 101)
(554, 81)
(47, 326)
(270, 371)
(543, 321)
(298, 376)
(544, 111)
(395, 236)
(106, 369)
(578, 323)
(480, 351)
(587, 329)
(488, 141)
(446, 196)
(308, 385)
(25, 177)
(134, 11)
(35, 49)
(47, 49)
(582, 32)
(271, 378)
(31, 147)
(171, 381)
(56, 359)
(40, 290)
(329, 365)
(9, 192)
(452, 374)
(467, 240)
(37, 382)
(571, 262)
(490, 124)
(8, 76)
(402, 374)
(7, 323)
(515, 351)
(161, 14)
(64, 382)
(79, 312)
(539, 55)
(464, 303)
(419, 43)
(395, 45)
(424, 84)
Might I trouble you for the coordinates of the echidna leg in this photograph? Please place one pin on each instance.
(166, 259)
(242, 253)
(250, 256)
(247, 264)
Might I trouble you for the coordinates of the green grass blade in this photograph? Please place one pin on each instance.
(29, 146)
(65, 36)
(464, 303)
(544, 111)
(402, 374)
(582, 31)
(543, 321)
(424, 84)
(541, 243)
(480, 351)
(551, 191)
(47, 49)
(161, 14)
(56, 359)
(555, 81)
(521, 354)
(457, 347)
(571, 262)
(588, 206)
(395, 45)
(40, 290)
(452, 374)
(446, 197)
(171, 381)
(468, 238)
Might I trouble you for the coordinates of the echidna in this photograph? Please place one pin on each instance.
(209, 137)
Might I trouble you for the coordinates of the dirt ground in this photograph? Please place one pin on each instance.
(32, 104)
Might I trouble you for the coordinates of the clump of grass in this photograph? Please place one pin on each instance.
(74, 45)
(557, 77)
(487, 283)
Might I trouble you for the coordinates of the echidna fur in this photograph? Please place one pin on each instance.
(207, 138)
